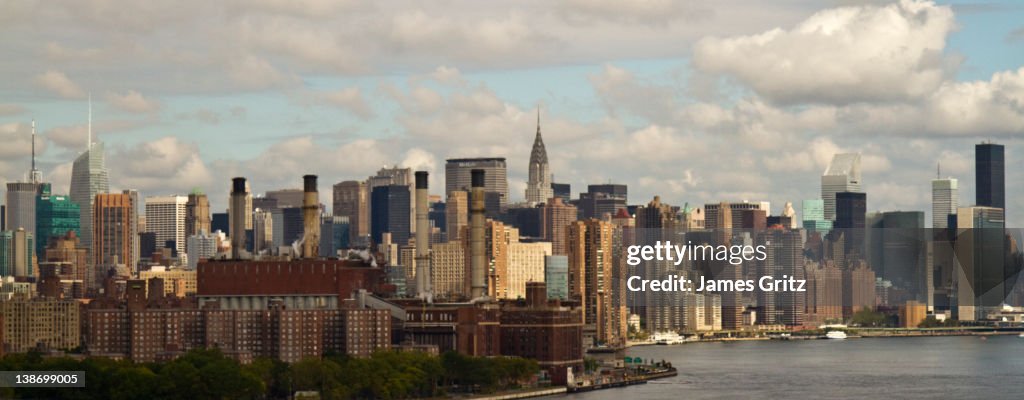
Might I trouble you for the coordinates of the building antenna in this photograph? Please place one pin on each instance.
(33, 145)
(88, 143)
(938, 170)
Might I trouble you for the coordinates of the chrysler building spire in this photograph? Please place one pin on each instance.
(538, 187)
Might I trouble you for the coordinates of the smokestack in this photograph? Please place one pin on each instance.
(237, 217)
(478, 288)
(424, 288)
(310, 218)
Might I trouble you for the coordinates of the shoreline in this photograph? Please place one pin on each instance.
(869, 333)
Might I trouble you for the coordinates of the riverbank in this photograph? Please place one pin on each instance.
(859, 333)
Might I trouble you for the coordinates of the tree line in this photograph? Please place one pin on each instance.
(208, 374)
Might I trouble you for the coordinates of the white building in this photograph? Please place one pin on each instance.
(945, 200)
(842, 175)
(165, 216)
(201, 246)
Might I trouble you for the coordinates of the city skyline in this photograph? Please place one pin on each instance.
(653, 112)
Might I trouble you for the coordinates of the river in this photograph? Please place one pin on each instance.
(955, 367)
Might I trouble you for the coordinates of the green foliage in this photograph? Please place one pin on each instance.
(932, 322)
(207, 374)
(871, 318)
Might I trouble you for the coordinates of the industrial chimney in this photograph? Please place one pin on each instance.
(423, 285)
(310, 218)
(237, 227)
(478, 288)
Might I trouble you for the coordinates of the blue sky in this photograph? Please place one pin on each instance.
(694, 101)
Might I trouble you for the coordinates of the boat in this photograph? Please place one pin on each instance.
(667, 338)
(835, 335)
(1021, 335)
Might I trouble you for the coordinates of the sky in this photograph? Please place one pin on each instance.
(695, 101)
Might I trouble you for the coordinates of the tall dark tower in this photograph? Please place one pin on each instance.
(989, 175)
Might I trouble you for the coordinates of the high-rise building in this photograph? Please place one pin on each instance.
(203, 246)
(989, 172)
(850, 221)
(55, 217)
(945, 201)
(842, 175)
(457, 211)
(389, 212)
(394, 176)
(448, 270)
(601, 200)
(262, 230)
(334, 235)
(981, 251)
(21, 206)
(713, 214)
(813, 215)
(784, 258)
(590, 274)
(115, 229)
(555, 217)
(17, 249)
(352, 200)
(562, 190)
(197, 215)
(88, 178)
(68, 250)
(457, 177)
(525, 264)
(661, 310)
(858, 288)
(286, 198)
(165, 216)
(538, 187)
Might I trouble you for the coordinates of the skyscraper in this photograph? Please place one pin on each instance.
(352, 200)
(457, 214)
(989, 173)
(197, 214)
(945, 200)
(590, 274)
(851, 210)
(457, 177)
(813, 215)
(115, 228)
(538, 187)
(21, 206)
(165, 216)
(602, 199)
(555, 217)
(88, 178)
(389, 207)
(16, 253)
(394, 176)
(980, 278)
(55, 217)
(842, 175)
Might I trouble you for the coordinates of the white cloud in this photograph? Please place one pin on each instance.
(132, 101)
(7, 110)
(350, 99)
(841, 55)
(59, 83)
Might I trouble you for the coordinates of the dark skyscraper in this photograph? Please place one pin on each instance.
(563, 190)
(851, 210)
(389, 209)
(989, 174)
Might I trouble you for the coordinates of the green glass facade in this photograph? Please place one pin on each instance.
(55, 216)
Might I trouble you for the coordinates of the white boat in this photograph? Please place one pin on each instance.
(667, 337)
(1021, 335)
(835, 335)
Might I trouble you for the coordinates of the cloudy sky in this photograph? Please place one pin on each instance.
(695, 101)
